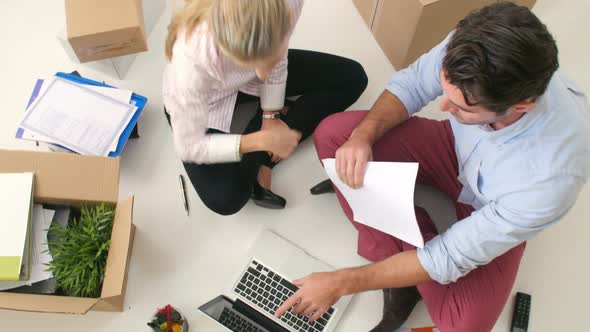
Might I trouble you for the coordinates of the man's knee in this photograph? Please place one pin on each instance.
(473, 323)
(327, 129)
(334, 131)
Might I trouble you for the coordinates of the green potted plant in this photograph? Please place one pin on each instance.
(80, 251)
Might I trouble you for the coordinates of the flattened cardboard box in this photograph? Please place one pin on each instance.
(102, 29)
(406, 29)
(64, 178)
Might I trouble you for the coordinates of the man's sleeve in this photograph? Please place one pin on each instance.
(498, 227)
(420, 84)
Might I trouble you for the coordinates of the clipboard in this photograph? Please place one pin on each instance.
(136, 100)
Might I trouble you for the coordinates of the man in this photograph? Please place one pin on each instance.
(514, 156)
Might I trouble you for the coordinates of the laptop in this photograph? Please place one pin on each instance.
(261, 288)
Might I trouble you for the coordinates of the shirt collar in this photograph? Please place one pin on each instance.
(527, 121)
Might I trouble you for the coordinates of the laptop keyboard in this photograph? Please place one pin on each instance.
(267, 291)
(236, 323)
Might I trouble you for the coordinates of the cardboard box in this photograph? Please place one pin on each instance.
(406, 29)
(101, 29)
(62, 178)
(118, 66)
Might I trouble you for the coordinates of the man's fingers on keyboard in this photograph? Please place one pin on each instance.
(300, 307)
(317, 314)
(298, 282)
(310, 310)
(287, 305)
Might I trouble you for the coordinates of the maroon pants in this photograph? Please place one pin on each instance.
(474, 302)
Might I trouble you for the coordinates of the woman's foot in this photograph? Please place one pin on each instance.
(261, 194)
(264, 177)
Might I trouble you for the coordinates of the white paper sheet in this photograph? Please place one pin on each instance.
(41, 222)
(386, 200)
(123, 96)
(15, 203)
(77, 117)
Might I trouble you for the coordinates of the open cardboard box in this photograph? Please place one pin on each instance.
(70, 179)
(406, 29)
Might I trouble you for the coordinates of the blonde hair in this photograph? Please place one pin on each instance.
(244, 29)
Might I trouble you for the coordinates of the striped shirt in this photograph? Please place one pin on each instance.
(200, 88)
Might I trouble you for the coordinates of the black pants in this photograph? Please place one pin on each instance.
(325, 83)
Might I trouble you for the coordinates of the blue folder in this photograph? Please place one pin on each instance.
(136, 100)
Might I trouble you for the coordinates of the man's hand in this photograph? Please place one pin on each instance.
(317, 293)
(352, 159)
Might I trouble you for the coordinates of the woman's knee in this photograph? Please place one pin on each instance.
(226, 197)
(359, 77)
(225, 206)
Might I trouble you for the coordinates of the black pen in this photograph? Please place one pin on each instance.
(183, 191)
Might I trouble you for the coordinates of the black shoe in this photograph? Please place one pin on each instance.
(323, 187)
(398, 304)
(266, 198)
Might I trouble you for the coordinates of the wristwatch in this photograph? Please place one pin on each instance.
(271, 116)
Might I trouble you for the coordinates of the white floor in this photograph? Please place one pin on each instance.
(204, 248)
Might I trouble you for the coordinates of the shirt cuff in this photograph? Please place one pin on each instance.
(224, 148)
(437, 261)
(272, 96)
(427, 263)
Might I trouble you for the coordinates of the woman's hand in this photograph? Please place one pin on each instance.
(282, 140)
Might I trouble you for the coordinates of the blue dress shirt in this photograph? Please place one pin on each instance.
(520, 179)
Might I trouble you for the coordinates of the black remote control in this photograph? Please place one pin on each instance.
(522, 311)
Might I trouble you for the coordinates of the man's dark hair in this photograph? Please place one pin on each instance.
(499, 56)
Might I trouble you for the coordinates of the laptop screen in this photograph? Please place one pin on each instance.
(238, 316)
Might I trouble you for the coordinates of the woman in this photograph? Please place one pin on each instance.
(224, 52)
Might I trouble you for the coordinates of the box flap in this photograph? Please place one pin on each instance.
(88, 17)
(438, 19)
(66, 177)
(110, 304)
(46, 303)
(527, 3)
(114, 280)
(428, 2)
(367, 9)
(394, 27)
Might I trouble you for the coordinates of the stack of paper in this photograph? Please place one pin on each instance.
(40, 256)
(386, 200)
(85, 119)
(16, 195)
